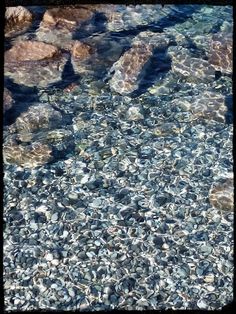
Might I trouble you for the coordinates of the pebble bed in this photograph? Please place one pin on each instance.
(121, 217)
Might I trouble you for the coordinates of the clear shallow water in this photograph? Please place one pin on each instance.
(119, 216)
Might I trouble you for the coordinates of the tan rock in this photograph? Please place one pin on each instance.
(30, 51)
(68, 17)
(128, 69)
(80, 50)
(220, 55)
(17, 19)
(221, 195)
(37, 117)
(30, 156)
(7, 100)
(34, 63)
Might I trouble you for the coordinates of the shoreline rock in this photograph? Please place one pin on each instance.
(17, 19)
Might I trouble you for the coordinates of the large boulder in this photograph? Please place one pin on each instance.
(34, 63)
(17, 20)
(30, 51)
(67, 17)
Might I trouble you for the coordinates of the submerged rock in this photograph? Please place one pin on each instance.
(58, 25)
(67, 17)
(80, 50)
(129, 17)
(7, 100)
(221, 195)
(46, 61)
(37, 117)
(30, 156)
(220, 54)
(17, 20)
(194, 70)
(208, 105)
(130, 68)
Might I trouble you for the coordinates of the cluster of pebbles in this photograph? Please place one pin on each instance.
(114, 200)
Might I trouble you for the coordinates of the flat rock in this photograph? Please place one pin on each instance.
(17, 20)
(208, 105)
(46, 60)
(30, 51)
(194, 70)
(67, 17)
(30, 156)
(37, 117)
(130, 68)
(7, 100)
(220, 55)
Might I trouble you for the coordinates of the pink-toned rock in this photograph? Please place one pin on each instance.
(30, 51)
(7, 100)
(59, 23)
(80, 50)
(67, 17)
(17, 19)
(34, 63)
(220, 55)
(128, 68)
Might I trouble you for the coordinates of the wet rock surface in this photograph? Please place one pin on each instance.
(129, 68)
(17, 20)
(220, 54)
(29, 156)
(67, 17)
(7, 100)
(37, 117)
(30, 51)
(222, 195)
(47, 61)
(190, 68)
(80, 50)
(120, 199)
(208, 105)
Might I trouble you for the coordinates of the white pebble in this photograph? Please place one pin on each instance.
(209, 278)
(71, 292)
(165, 246)
(49, 257)
(210, 288)
(17, 301)
(201, 304)
(55, 262)
(65, 234)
